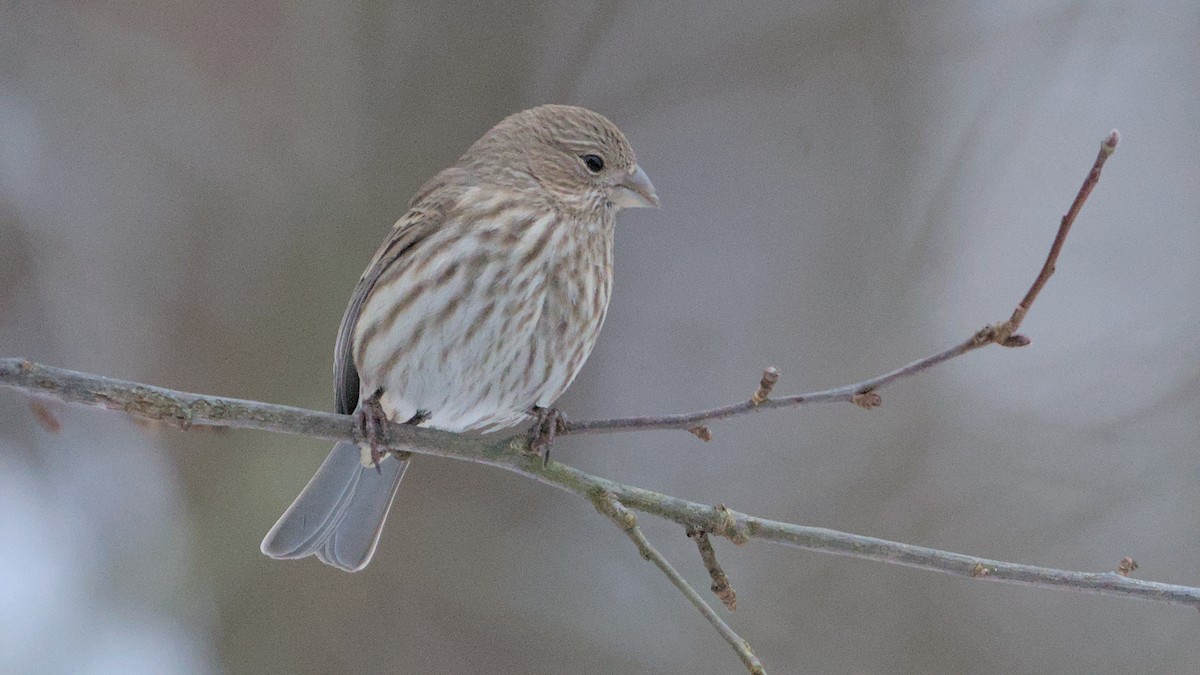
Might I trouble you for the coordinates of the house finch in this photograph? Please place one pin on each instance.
(476, 312)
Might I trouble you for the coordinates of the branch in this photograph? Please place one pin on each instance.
(1003, 333)
(515, 454)
(625, 519)
(512, 454)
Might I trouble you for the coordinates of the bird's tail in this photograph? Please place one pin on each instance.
(340, 513)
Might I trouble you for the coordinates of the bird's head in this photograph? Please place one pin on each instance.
(578, 156)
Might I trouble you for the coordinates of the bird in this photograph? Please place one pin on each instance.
(475, 314)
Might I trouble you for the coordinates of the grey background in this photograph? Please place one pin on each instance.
(188, 191)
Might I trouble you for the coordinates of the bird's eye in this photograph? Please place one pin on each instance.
(594, 163)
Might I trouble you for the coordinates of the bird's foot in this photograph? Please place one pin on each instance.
(420, 417)
(372, 423)
(547, 423)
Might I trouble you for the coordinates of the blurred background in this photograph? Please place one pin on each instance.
(189, 191)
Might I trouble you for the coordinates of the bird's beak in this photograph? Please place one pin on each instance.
(635, 191)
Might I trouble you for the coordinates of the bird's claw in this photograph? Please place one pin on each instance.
(548, 423)
(372, 423)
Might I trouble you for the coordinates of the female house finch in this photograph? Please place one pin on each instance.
(478, 310)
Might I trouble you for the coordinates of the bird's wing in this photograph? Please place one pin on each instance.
(424, 216)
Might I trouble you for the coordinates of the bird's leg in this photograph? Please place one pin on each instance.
(372, 424)
(548, 422)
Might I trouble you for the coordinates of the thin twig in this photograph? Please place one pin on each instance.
(1106, 150)
(836, 395)
(1003, 333)
(720, 580)
(608, 505)
(512, 454)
